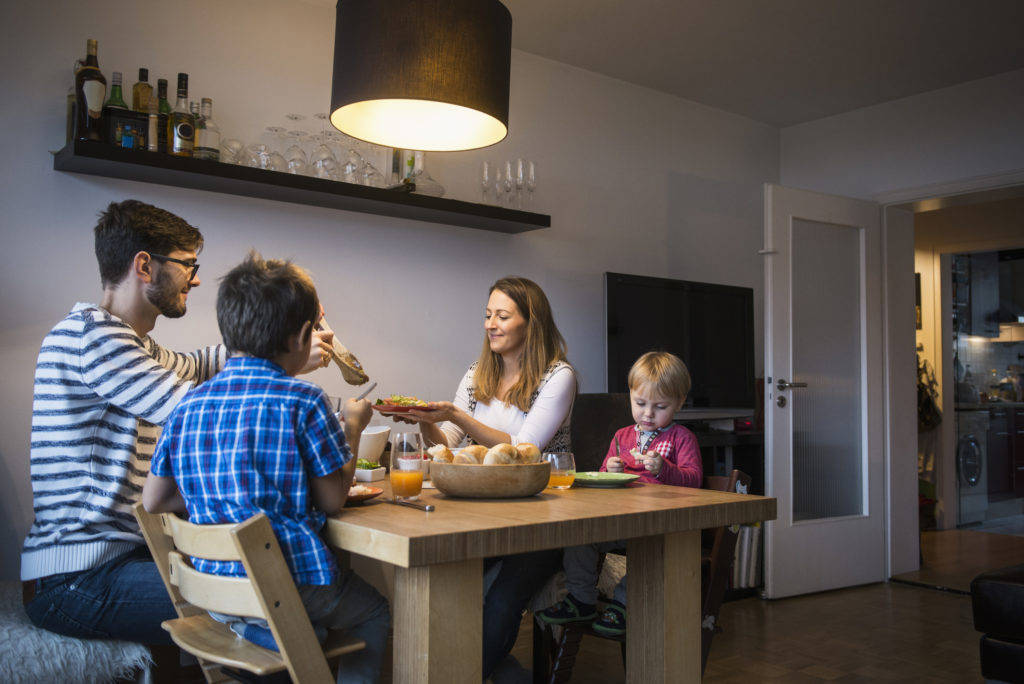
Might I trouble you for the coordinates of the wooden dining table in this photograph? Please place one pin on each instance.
(438, 557)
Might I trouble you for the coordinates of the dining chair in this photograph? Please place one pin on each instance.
(595, 419)
(554, 656)
(267, 591)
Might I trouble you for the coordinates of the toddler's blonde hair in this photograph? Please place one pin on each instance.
(665, 373)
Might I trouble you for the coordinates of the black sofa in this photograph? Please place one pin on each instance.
(998, 600)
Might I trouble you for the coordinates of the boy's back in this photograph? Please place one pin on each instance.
(249, 441)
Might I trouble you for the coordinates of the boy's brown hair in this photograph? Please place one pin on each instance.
(665, 373)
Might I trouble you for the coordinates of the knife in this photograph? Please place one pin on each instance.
(368, 390)
(412, 504)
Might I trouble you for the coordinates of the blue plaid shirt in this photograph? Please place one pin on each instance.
(250, 440)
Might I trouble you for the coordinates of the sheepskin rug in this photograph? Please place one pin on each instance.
(29, 655)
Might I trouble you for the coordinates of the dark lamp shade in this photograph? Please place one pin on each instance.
(422, 74)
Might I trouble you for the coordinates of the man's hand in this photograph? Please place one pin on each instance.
(319, 351)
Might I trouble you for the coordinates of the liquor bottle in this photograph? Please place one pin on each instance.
(115, 103)
(90, 91)
(142, 92)
(193, 109)
(181, 130)
(153, 134)
(163, 110)
(207, 134)
(116, 99)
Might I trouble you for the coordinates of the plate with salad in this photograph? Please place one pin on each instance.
(399, 403)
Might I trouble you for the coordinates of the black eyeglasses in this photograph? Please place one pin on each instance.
(193, 265)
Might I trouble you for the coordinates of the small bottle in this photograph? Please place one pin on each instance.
(153, 135)
(142, 92)
(70, 104)
(90, 91)
(207, 134)
(181, 130)
(116, 103)
(163, 110)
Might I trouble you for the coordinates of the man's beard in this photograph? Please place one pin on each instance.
(164, 295)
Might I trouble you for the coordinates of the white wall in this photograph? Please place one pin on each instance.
(964, 131)
(636, 181)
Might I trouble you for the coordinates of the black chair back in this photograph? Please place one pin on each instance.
(595, 419)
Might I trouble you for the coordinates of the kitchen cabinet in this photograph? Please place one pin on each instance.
(1001, 468)
(1011, 286)
(985, 294)
(100, 159)
(1017, 449)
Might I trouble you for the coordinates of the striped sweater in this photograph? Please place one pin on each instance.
(101, 393)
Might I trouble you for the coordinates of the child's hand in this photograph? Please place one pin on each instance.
(614, 465)
(357, 415)
(652, 462)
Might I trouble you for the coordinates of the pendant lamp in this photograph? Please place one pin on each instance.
(422, 74)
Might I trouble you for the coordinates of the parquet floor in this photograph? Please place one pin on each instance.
(953, 557)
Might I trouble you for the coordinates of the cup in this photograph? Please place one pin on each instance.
(563, 469)
(406, 465)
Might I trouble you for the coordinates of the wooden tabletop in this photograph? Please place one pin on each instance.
(460, 529)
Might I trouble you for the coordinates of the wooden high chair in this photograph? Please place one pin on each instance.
(268, 591)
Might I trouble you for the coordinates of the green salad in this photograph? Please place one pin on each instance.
(363, 464)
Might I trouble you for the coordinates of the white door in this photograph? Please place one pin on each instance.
(824, 404)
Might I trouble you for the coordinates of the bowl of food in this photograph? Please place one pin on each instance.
(372, 442)
(501, 472)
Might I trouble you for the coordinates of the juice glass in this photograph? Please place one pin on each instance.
(406, 465)
(563, 469)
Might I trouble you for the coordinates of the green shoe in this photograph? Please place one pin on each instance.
(612, 621)
(568, 610)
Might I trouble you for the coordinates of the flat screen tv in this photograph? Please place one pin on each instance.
(710, 327)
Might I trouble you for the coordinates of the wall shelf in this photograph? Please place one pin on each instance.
(100, 159)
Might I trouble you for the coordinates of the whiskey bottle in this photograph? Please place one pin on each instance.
(114, 129)
(181, 130)
(207, 134)
(70, 105)
(163, 110)
(90, 91)
(142, 92)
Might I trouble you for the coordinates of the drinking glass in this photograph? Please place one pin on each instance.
(508, 182)
(563, 469)
(406, 465)
(531, 181)
(231, 151)
(520, 182)
(485, 181)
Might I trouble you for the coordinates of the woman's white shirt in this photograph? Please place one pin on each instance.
(550, 411)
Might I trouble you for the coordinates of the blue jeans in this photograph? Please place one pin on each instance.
(123, 598)
(521, 576)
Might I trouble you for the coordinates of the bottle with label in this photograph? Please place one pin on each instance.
(115, 103)
(181, 130)
(142, 92)
(207, 134)
(70, 104)
(90, 91)
(153, 130)
(163, 110)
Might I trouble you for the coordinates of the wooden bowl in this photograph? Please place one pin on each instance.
(490, 481)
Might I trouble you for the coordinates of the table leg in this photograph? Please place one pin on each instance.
(663, 609)
(438, 619)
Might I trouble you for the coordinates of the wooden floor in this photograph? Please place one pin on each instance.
(953, 557)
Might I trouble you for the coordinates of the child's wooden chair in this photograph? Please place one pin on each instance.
(268, 591)
(553, 658)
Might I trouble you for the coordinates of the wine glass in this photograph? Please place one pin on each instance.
(531, 181)
(563, 469)
(231, 151)
(508, 182)
(520, 182)
(406, 465)
(485, 181)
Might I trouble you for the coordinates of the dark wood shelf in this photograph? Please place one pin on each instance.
(99, 159)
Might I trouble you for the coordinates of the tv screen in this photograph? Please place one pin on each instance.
(710, 327)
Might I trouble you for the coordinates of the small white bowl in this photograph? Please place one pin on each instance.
(372, 442)
(370, 475)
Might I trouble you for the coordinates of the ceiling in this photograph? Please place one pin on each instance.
(781, 62)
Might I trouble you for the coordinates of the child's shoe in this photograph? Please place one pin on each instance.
(612, 621)
(568, 610)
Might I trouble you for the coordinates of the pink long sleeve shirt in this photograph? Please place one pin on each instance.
(678, 447)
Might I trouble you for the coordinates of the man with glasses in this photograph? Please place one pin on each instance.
(103, 387)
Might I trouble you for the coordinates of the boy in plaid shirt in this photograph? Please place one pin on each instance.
(255, 439)
(657, 450)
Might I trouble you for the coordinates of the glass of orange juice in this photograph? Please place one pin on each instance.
(406, 465)
(563, 469)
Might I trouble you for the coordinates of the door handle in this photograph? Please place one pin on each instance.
(783, 385)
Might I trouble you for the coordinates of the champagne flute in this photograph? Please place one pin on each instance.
(520, 182)
(485, 181)
(531, 181)
(508, 182)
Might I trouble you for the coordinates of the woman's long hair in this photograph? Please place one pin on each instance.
(543, 345)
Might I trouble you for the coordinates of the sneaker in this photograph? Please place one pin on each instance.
(612, 621)
(568, 610)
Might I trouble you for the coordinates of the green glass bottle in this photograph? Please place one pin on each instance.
(163, 109)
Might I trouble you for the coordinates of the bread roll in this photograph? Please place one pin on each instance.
(441, 453)
(528, 453)
(465, 457)
(475, 452)
(501, 454)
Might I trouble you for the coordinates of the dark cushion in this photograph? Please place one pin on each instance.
(1002, 660)
(595, 419)
(998, 600)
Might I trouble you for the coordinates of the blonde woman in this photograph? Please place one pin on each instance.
(521, 389)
